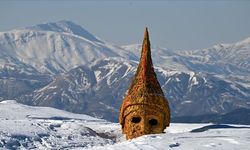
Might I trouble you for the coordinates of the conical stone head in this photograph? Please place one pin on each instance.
(145, 109)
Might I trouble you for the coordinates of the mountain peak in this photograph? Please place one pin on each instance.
(237, 45)
(64, 26)
(244, 42)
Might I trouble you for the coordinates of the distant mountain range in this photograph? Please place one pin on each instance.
(64, 66)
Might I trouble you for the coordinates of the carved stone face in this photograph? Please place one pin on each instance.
(138, 123)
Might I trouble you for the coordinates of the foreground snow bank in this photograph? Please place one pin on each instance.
(26, 127)
(227, 139)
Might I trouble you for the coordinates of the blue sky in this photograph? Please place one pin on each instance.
(180, 24)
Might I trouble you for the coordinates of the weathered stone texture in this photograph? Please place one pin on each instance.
(145, 109)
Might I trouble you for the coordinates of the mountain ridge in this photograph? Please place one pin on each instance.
(53, 52)
(64, 26)
(62, 69)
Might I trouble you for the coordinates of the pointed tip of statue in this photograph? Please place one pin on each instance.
(146, 33)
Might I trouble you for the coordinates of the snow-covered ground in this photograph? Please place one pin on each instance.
(27, 127)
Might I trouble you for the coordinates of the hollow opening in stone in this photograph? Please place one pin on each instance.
(153, 122)
(136, 119)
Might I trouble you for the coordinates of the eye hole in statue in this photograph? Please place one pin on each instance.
(136, 119)
(153, 122)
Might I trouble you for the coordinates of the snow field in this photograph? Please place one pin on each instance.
(27, 127)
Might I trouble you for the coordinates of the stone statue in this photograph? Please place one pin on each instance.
(144, 110)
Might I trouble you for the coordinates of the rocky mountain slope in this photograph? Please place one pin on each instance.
(64, 66)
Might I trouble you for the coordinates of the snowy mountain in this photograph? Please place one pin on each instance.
(27, 127)
(221, 59)
(99, 90)
(66, 27)
(54, 47)
(231, 58)
(64, 66)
